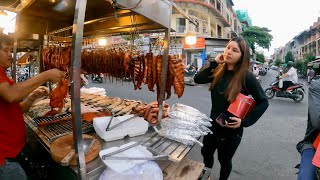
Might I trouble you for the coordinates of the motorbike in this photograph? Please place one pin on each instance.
(296, 92)
(96, 78)
(188, 77)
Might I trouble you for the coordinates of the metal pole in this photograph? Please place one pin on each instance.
(77, 36)
(14, 60)
(164, 67)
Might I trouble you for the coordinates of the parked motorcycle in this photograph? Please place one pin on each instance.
(188, 77)
(96, 78)
(296, 91)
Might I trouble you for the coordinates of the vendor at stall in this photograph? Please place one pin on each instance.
(14, 100)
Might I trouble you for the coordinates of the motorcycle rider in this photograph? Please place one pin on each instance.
(290, 78)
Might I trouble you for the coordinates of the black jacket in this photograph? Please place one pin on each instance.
(220, 103)
(313, 124)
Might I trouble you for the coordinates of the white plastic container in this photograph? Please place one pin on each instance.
(134, 127)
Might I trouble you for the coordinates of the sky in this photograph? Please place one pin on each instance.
(286, 18)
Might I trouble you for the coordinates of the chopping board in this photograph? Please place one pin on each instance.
(61, 147)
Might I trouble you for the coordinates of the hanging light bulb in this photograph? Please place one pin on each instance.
(191, 39)
(102, 42)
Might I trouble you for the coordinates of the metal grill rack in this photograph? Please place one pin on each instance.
(53, 131)
(161, 145)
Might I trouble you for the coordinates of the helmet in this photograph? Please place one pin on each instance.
(290, 63)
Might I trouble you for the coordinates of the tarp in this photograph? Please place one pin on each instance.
(314, 103)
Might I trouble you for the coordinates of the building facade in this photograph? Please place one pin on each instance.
(307, 42)
(217, 23)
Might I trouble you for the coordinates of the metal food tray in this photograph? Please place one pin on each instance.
(54, 131)
(162, 145)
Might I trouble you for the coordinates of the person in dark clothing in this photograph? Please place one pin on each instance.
(229, 75)
(307, 170)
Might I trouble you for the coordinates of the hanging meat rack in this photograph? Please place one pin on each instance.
(93, 18)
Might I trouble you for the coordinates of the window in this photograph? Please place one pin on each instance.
(219, 31)
(181, 25)
(219, 6)
(204, 28)
(213, 3)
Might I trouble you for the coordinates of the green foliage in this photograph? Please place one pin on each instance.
(302, 64)
(289, 57)
(299, 65)
(310, 58)
(278, 62)
(260, 57)
(258, 36)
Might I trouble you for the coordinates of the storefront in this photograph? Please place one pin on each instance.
(195, 54)
(215, 46)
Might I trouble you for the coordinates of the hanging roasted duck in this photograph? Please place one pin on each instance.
(57, 96)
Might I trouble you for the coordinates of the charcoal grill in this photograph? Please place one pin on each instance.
(53, 131)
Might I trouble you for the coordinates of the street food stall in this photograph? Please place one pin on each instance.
(61, 132)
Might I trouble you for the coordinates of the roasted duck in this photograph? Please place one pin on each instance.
(57, 96)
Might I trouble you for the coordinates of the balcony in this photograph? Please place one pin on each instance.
(213, 9)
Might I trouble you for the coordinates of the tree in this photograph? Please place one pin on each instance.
(278, 62)
(258, 36)
(299, 65)
(260, 58)
(288, 57)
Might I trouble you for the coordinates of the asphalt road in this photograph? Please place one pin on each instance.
(267, 150)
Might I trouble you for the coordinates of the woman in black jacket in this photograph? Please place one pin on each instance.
(229, 75)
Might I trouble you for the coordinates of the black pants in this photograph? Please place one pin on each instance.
(226, 146)
(286, 84)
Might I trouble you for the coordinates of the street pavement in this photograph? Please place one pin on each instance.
(268, 148)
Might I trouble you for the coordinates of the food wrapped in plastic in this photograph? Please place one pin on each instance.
(178, 123)
(190, 110)
(205, 129)
(183, 138)
(176, 130)
(188, 117)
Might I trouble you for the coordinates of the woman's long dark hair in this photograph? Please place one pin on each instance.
(241, 69)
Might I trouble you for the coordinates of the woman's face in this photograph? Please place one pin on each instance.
(232, 53)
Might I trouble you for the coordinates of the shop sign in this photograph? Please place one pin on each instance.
(200, 44)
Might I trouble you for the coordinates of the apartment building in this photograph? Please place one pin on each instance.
(217, 23)
(307, 42)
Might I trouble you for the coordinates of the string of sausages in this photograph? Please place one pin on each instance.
(120, 64)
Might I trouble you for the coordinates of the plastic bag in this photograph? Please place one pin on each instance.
(146, 171)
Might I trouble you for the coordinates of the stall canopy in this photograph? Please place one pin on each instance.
(102, 17)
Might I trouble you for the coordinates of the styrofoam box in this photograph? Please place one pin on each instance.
(123, 165)
(133, 127)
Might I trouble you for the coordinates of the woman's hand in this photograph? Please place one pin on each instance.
(219, 58)
(235, 124)
(40, 92)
